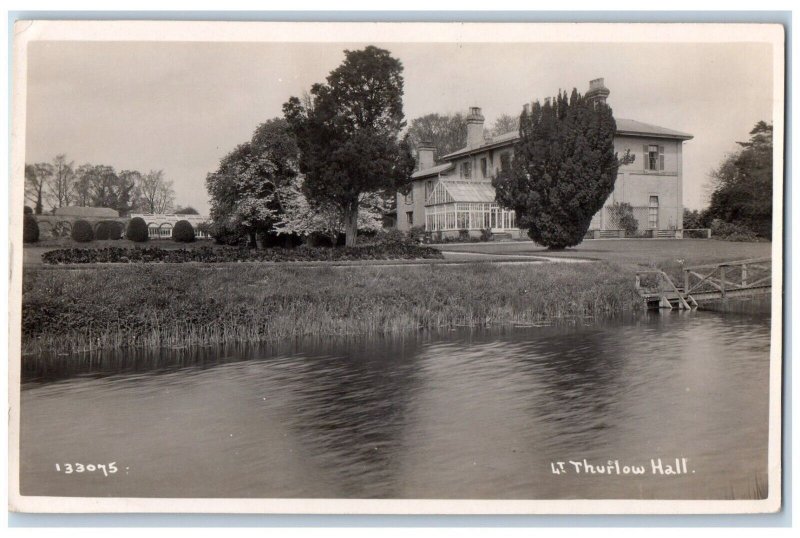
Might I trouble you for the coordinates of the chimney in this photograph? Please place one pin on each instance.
(474, 127)
(597, 91)
(425, 155)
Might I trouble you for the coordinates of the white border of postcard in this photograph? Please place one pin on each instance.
(367, 32)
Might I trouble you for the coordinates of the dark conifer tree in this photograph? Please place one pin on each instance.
(563, 170)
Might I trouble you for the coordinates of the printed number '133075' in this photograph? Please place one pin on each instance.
(69, 468)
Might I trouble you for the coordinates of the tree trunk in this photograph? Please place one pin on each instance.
(39, 207)
(351, 224)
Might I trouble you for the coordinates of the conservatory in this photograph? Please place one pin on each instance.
(466, 205)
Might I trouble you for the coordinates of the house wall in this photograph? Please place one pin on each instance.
(635, 185)
(414, 203)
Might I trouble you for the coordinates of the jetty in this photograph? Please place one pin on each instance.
(710, 282)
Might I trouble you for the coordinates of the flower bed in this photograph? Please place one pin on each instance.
(394, 251)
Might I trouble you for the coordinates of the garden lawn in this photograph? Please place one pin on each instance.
(636, 252)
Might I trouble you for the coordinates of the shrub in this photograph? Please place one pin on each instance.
(622, 215)
(137, 230)
(463, 235)
(731, 232)
(392, 236)
(115, 229)
(30, 229)
(486, 234)
(417, 234)
(82, 231)
(102, 231)
(206, 254)
(183, 232)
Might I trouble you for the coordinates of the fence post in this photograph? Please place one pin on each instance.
(685, 281)
(722, 280)
(744, 275)
(708, 233)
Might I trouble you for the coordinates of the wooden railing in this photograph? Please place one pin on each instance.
(728, 277)
(655, 284)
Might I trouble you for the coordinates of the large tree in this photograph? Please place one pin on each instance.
(742, 185)
(154, 192)
(348, 134)
(101, 186)
(244, 188)
(62, 182)
(446, 132)
(36, 179)
(563, 170)
(505, 123)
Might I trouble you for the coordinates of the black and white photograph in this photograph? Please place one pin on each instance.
(396, 268)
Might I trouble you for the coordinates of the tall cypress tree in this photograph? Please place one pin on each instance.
(563, 170)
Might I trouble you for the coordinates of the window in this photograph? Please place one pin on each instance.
(483, 167)
(505, 161)
(652, 213)
(653, 157)
(410, 218)
(466, 170)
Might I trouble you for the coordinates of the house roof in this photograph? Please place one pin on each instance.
(633, 127)
(624, 127)
(470, 191)
(434, 170)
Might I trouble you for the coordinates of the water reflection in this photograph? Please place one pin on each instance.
(455, 414)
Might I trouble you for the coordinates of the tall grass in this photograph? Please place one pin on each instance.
(69, 311)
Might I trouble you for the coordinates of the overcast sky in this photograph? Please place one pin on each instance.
(180, 107)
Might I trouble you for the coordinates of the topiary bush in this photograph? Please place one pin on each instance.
(82, 232)
(115, 230)
(137, 230)
(28, 210)
(102, 231)
(30, 229)
(183, 232)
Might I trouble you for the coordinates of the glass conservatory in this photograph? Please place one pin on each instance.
(465, 205)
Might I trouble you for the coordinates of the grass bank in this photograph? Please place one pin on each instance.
(112, 307)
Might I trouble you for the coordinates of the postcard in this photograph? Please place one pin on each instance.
(396, 268)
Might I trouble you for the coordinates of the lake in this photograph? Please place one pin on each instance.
(501, 413)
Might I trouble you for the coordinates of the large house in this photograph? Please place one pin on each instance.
(458, 194)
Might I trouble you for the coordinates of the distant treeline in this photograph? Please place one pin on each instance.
(59, 183)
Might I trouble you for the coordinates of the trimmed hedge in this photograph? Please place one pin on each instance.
(30, 229)
(115, 229)
(183, 232)
(137, 230)
(103, 231)
(82, 231)
(394, 251)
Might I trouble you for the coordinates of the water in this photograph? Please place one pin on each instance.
(454, 414)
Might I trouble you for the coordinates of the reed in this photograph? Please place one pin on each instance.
(72, 311)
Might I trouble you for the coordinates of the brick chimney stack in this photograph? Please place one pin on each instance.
(474, 127)
(425, 155)
(598, 93)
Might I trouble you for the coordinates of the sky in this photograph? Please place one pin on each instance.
(180, 107)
